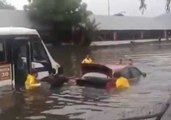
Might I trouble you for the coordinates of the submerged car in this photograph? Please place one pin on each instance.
(98, 75)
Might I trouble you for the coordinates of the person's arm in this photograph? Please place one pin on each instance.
(83, 61)
(36, 85)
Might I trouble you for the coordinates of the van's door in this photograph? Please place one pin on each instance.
(5, 64)
(21, 60)
(40, 60)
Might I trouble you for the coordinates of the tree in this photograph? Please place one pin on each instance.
(5, 5)
(143, 5)
(84, 33)
(64, 16)
(168, 5)
(91, 31)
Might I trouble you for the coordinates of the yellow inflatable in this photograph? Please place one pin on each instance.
(31, 82)
(122, 83)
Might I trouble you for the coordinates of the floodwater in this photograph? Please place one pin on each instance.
(85, 103)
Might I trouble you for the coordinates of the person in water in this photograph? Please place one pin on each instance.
(20, 68)
(31, 81)
(130, 62)
(87, 60)
(120, 61)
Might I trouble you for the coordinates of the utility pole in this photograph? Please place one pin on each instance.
(108, 7)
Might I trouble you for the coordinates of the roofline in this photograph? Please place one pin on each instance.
(129, 29)
(17, 31)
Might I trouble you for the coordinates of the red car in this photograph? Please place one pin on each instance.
(98, 75)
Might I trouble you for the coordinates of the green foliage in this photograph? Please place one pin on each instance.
(90, 31)
(5, 5)
(52, 11)
(63, 15)
(143, 5)
(168, 5)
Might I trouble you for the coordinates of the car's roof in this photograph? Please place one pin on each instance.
(87, 68)
(17, 31)
(108, 69)
(116, 67)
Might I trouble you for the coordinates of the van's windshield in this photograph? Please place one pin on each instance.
(20, 43)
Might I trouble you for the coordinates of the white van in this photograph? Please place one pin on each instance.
(22, 49)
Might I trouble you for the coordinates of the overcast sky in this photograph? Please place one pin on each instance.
(100, 7)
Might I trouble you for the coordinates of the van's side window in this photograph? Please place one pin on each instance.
(2, 51)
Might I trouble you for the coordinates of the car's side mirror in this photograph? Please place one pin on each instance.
(144, 74)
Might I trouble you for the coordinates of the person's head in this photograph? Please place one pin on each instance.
(130, 62)
(130, 59)
(87, 56)
(120, 61)
(34, 72)
(117, 75)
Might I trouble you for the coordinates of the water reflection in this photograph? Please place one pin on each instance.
(80, 103)
(19, 105)
(70, 57)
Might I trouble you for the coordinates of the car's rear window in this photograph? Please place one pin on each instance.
(95, 74)
(126, 73)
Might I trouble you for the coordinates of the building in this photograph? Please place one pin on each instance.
(110, 27)
(131, 28)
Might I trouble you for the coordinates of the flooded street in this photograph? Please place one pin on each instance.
(85, 103)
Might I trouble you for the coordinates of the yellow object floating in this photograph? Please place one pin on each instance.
(122, 83)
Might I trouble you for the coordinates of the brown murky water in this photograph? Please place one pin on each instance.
(85, 103)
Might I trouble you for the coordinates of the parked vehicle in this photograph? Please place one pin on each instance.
(98, 75)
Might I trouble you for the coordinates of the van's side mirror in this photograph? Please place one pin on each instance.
(53, 71)
(60, 70)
